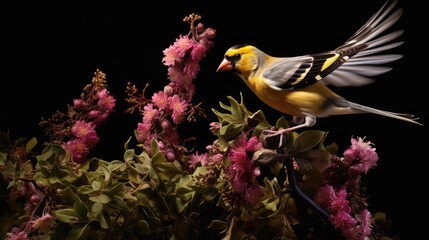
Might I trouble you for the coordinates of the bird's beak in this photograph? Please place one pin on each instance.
(224, 66)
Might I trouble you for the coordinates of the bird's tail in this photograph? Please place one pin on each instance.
(401, 116)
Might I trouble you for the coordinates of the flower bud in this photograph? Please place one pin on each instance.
(78, 104)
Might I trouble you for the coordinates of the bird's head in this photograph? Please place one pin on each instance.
(242, 59)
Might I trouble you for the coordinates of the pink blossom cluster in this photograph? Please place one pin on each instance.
(242, 172)
(237, 165)
(91, 113)
(341, 196)
(32, 196)
(17, 234)
(75, 130)
(166, 109)
(42, 224)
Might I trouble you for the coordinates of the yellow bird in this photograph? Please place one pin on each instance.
(297, 86)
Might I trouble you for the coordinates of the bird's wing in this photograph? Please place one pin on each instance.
(301, 71)
(366, 63)
(351, 64)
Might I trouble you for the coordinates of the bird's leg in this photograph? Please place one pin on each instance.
(309, 121)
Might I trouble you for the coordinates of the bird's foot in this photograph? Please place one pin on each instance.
(274, 138)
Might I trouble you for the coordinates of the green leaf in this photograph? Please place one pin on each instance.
(96, 185)
(144, 159)
(120, 203)
(332, 148)
(158, 158)
(320, 159)
(80, 208)
(154, 146)
(115, 165)
(127, 143)
(53, 179)
(308, 140)
(117, 189)
(231, 130)
(260, 118)
(85, 189)
(142, 169)
(76, 233)
(282, 122)
(142, 227)
(73, 199)
(155, 224)
(96, 209)
(224, 106)
(165, 170)
(271, 204)
(102, 198)
(30, 144)
(40, 179)
(104, 220)
(268, 186)
(218, 225)
(129, 155)
(235, 108)
(107, 174)
(3, 157)
(66, 215)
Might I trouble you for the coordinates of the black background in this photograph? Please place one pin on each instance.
(49, 53)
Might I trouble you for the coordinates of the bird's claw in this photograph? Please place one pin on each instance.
(274, 139)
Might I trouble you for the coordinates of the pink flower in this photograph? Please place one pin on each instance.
(342, 220)
(101, 118)
(182, 45)
(81, 129)
(85, 132)
(170, 56)
(149, 113)
(366, 222)
(78, 104)
(191, 68)
(160, 99)
(214, 127)
(179, 108)
(44, 223)
(77, 148)
(242, 172)
(169, 154)
(196, 158)
(105, 101)
(214, 158)
(172, 137)
(166, 125)
(339, 201)
(253, 194)
(362, 152)
(175, 74)
(93, 114)
(324, 195)
(17, 234)
(198, 52)
(143, 131)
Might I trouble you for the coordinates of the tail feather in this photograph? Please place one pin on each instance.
(400, 116)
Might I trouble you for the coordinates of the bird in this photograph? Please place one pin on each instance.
(299, 85)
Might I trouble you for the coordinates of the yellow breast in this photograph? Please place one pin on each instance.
(311, 99)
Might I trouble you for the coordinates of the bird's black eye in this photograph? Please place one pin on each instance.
(233, 58)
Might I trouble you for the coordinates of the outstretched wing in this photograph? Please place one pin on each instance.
(365, 64)
(351, 64)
